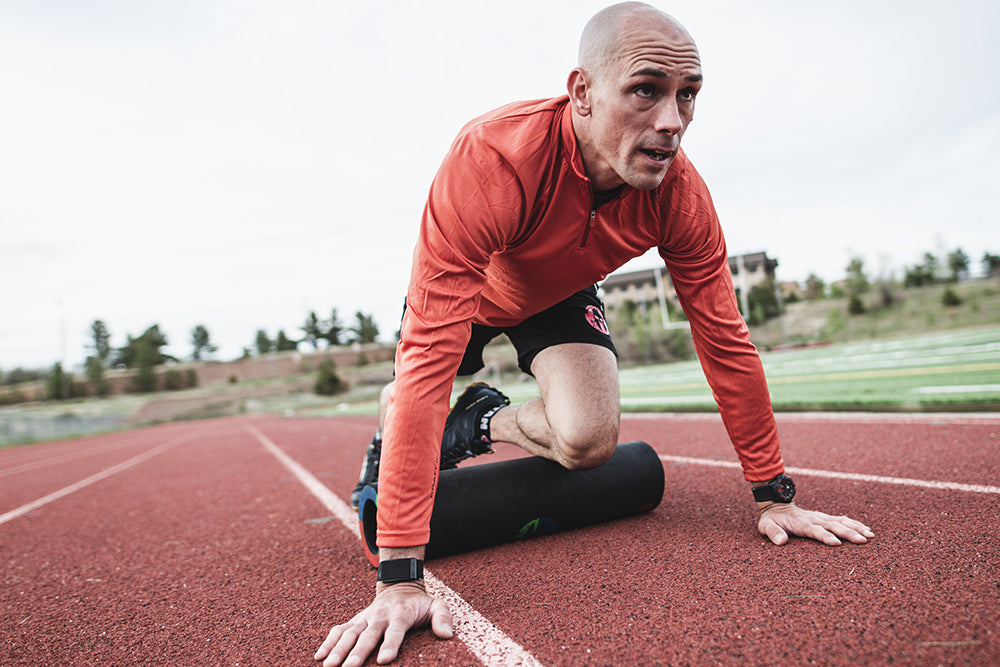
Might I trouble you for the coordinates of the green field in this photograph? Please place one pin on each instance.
(953, 370)
(956, 370)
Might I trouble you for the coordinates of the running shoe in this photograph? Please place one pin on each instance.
(466, 431)
(369, 468)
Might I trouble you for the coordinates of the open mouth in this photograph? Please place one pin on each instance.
(657, 155)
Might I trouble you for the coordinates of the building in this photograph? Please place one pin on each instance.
(653, 286)
(792, 291)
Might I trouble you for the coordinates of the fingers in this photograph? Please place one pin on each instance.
(393, 640)
(777, 522)
(851, 530)
(334, 636)
(441, 620)
(772, 531)
(441, 624)
(821, 533)
(858, 527)
(331, 639)
(828, 529)
(395, 611)
(366, 643)
(350, 644)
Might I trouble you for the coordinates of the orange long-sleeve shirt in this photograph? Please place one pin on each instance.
(508, 231)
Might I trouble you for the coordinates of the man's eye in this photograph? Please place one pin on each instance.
(645, 91)
(688, 94)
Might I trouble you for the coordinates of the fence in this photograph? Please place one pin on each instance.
(26, 427)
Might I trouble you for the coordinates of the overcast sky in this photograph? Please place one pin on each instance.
(238, 163)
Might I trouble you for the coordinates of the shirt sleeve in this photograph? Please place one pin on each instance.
(472, 202)
(695, 254)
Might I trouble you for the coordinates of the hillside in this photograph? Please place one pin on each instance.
(914, 310)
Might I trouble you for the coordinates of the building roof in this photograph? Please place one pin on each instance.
(634, 277)
(750, 260)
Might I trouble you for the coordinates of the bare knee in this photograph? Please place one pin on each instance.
(383, 401)
(585, 448)
(387, 392)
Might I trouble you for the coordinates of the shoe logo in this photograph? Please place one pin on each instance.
(484, 423)
(537, 527)
(595, 318)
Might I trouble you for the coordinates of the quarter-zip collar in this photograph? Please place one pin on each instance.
(571, 147)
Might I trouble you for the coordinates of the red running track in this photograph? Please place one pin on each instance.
(200, 543)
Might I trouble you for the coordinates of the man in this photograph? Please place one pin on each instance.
(534, 203)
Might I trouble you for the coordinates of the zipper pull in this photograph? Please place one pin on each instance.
(586, 230)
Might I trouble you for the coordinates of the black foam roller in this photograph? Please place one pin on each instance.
(485, 505)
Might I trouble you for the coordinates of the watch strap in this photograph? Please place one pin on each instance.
(781, 489)
(762, 494)
(400, 569)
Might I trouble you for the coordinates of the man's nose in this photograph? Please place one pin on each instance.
(668, 117)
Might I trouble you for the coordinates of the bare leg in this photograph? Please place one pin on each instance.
(383, 403)
(369, 468)
(575, 422)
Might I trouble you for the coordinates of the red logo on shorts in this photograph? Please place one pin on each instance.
(595, 318)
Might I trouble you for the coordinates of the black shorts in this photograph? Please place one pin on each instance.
(577, 319)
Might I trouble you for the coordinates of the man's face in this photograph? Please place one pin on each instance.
(641, 102)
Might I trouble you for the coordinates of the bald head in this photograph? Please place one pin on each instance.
(600, 44)
(632, 95)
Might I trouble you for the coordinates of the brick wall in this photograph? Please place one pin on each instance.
(267, 367)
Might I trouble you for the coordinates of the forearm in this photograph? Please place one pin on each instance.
(732, 365)
(738, 384)
(390, 553)
(411, 453)
(427, 359)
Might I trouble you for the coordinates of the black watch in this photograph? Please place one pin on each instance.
(400, 569)
(781, 489)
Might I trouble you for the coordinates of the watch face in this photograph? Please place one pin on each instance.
(784, 488)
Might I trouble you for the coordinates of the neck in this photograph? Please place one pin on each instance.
(602, 176)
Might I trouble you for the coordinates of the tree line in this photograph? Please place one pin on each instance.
(930, 270)
(766, 299)
(145, 352)
(953, 268)
(330, 332)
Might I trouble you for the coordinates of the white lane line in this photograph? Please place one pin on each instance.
(62, 458)
(957, 389)
(484, 639)
(927, 484)
(929, 418)
(55, 495)
(330, 500)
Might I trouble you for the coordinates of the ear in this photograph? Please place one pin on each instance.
(579, 91)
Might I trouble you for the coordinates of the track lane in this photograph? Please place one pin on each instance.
(545, 604)
(928, 447)
(693, 583)
(209, 553)
(25, 477)
(40, 454)
(37, 504)
(221, 554)
(490, 645)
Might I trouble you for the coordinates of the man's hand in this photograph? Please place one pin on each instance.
(779, 520)
(396, 609)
